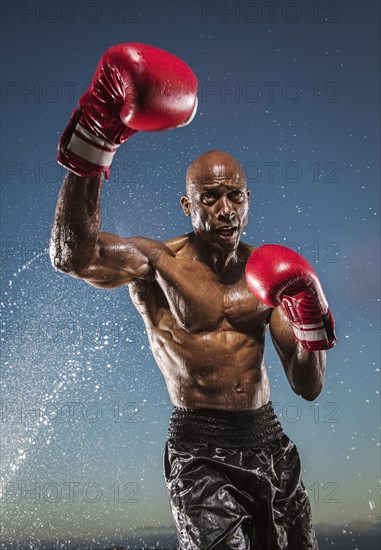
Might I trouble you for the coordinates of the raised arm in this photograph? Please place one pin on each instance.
(135, 87)
(79, 248)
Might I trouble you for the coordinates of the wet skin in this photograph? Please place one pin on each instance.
(206, 330)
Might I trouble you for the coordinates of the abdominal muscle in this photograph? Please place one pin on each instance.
(217, 370)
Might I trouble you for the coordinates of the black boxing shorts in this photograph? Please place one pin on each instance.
(234, 482)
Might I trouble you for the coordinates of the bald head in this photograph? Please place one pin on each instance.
(217, 200)
(213, 167)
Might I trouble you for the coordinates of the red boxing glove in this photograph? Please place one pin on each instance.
(135, 87)
(279, 276)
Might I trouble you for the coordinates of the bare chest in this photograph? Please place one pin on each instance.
(197, 299)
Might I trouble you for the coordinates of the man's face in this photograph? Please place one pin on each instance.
(217, 201)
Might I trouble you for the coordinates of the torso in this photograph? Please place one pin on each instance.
(206, 331)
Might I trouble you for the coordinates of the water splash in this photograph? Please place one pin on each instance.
(18, 435)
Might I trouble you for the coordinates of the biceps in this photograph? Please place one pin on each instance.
(112, 283)
(282, 334)
(115, 261)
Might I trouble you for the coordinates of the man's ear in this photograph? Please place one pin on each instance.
(185, 203)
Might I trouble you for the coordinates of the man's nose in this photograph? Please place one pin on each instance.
(225, 208)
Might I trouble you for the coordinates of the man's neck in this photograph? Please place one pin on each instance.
(219, 260)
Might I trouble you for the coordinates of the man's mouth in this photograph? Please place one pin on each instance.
(226, 231)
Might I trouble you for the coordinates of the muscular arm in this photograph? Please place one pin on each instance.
(135, 88)
(304, 369)
(79, 248)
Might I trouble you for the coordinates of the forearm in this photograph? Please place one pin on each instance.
(306, 370)
(76, 222)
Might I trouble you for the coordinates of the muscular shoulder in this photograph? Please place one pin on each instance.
(158, 253)
(244, 250)
(176, 244)
(146, 290)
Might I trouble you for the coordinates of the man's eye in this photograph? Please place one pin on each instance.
(237, 194)
(207, 197)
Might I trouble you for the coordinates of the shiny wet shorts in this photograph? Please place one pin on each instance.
(234, 482)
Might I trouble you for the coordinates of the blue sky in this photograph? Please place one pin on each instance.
(293, 94)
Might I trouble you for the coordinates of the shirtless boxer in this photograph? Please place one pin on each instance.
(233, 475)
